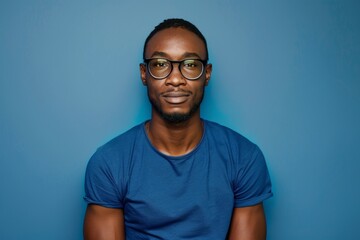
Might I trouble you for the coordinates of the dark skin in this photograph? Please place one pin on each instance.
(174, 95)
(103, 223)
(167, 137)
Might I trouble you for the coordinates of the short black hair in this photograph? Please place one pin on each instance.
(175, 23)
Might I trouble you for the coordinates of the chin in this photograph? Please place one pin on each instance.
(176, 117)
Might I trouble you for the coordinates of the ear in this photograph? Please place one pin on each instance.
(208, 71)
(143, 73)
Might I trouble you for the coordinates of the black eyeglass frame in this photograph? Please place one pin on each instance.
(204, 64)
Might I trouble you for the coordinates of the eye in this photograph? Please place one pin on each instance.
(159, 63)
(190, 64)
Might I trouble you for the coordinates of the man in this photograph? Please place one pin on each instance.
(176, 176)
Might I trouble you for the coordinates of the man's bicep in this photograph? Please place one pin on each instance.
(248, 223)
(103, 223)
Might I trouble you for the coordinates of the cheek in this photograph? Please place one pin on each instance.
(153, 90)
(199, 91)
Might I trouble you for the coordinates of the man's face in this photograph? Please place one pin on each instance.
(175, 98)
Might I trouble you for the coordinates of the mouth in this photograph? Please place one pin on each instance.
(176, 97)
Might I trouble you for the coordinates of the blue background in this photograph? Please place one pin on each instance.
(286, 74)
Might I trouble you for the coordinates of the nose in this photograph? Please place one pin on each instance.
(175, 78)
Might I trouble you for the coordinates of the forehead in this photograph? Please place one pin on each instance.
(175, 43)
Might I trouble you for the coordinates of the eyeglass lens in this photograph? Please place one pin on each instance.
(190, 68)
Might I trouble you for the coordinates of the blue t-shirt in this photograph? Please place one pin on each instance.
(184, 197)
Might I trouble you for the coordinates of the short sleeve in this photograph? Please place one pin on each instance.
(252, 184)
(101, 187)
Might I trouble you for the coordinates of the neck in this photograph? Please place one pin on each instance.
(175, 139)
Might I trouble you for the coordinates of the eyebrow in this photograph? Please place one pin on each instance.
(185, 55)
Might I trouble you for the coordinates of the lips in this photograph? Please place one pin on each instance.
(176, 97)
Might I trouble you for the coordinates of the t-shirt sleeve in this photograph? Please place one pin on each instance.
(252, 184)
(101, 186)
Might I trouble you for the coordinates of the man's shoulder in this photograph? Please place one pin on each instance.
(221, 130)
(124, 140)
(224, 135)
(115, 153)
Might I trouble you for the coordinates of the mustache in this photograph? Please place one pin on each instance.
(176, 90)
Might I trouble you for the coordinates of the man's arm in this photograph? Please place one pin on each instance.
(103, 223)
(248, 223)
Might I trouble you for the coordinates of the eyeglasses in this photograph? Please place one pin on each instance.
(160, 68)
